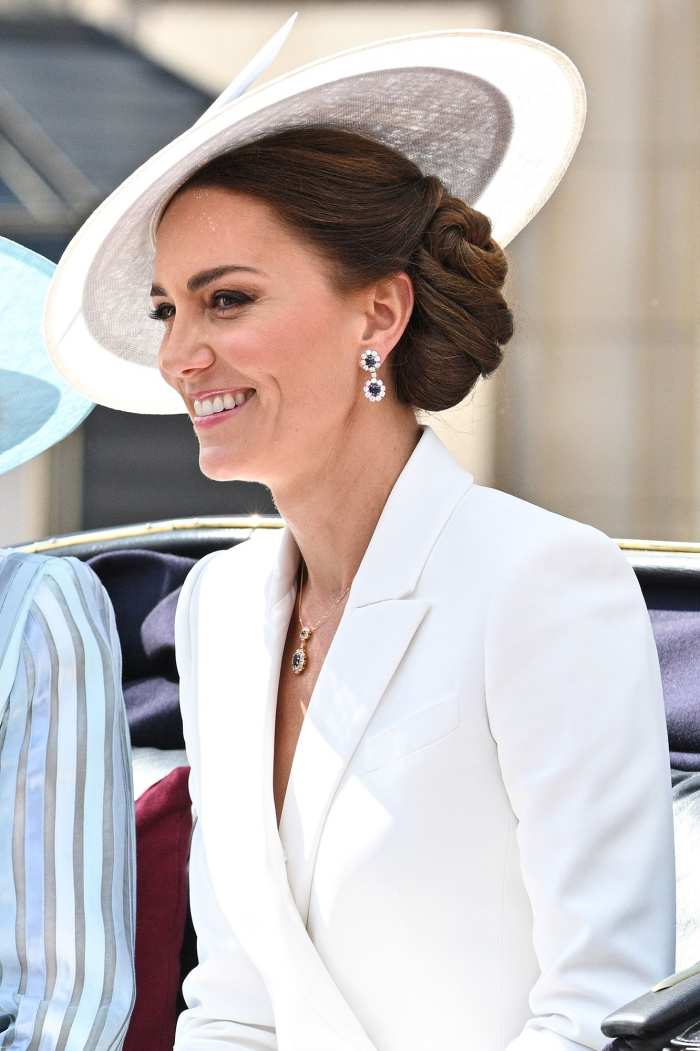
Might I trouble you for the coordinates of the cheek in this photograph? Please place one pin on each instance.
(308, 324)
(319, 339)
(292, 349)
(297, 349)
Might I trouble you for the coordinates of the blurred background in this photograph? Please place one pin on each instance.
(595, 412)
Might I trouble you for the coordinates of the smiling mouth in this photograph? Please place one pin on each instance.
(210, 412)
(221, 403)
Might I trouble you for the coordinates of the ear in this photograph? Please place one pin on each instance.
(388, 305)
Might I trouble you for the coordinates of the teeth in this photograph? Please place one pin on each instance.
(204, 408)
(220, 403)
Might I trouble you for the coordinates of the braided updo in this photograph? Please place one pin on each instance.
(370, 212)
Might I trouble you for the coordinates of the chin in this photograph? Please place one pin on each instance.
(221, 469)
(219, 472)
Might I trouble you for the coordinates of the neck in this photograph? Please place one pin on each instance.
(333, 511)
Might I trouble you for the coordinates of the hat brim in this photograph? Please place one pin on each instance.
(37, 407)
(496, 115)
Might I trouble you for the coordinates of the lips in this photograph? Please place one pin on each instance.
(221, 401)
(219, 406)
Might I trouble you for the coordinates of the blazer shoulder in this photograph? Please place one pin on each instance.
(251, 555)
(505, 531)
(234, 566)
(507, 515)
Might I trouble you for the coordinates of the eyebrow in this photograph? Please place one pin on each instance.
(205, 277)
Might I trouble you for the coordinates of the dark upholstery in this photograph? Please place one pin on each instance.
(677, 634)
(144, 588)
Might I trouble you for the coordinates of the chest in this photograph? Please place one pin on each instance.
(293, 696)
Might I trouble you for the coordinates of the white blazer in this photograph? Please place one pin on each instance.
(475, 848)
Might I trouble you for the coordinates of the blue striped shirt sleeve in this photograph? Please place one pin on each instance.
(67, 842)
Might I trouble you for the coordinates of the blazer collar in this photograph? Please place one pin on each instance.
(423, 497)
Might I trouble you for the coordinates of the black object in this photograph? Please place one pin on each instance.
(659, 1017)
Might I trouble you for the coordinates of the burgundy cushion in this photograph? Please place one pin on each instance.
(163, 832)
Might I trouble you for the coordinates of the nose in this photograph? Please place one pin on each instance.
(183, 351)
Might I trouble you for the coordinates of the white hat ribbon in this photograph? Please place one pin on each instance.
(261, 61)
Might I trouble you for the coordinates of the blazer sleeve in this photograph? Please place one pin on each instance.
(67, 844)
(576, 708)
(228, 1008)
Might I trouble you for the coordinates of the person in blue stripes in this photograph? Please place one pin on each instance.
(67, 841)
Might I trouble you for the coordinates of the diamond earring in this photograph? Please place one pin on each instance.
(374, 388)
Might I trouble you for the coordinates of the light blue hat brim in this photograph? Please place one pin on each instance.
(37, 407)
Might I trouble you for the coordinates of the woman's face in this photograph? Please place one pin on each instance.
(248, 312)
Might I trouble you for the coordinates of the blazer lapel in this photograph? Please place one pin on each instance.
(239, 828)
(238, 652)
(366, 650)
(377, 626)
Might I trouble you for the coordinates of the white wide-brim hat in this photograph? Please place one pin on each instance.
(495, 115)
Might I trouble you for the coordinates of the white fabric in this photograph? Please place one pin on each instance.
(476, 846)
(151, 765)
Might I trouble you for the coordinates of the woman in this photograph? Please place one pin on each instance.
(420, 823)
(66, 800)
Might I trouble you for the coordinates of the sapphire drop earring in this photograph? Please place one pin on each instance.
(374, 388)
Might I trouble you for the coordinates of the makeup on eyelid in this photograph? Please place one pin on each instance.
(241, 299)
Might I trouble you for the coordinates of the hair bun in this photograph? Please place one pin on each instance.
(459, 238)
(461, 319)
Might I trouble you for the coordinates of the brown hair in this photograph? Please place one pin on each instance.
(370, 212)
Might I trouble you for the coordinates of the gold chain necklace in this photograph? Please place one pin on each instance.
(299, 657)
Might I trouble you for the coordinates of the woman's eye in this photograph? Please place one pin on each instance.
(226, 300)
(219, 301)
(162, 312)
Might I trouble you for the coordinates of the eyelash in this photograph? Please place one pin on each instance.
(158, 313)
